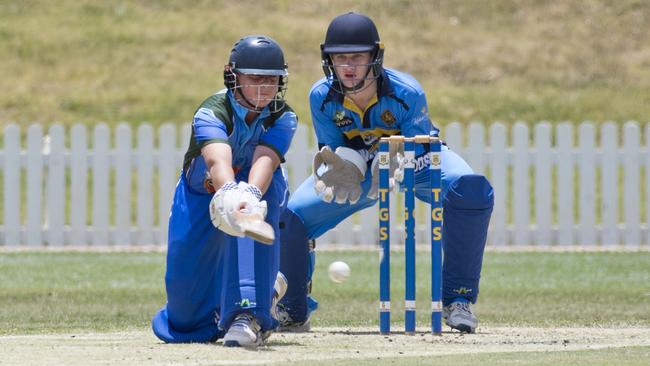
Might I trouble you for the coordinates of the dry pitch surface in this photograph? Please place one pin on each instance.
(142, 348)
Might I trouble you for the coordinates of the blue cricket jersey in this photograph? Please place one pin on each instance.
(398, 108)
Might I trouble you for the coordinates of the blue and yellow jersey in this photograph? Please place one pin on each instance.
(398, 108)
(220, 118)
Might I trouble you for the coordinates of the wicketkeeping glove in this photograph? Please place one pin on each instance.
(396, 170)
(341, 181)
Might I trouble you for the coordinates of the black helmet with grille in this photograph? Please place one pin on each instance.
(257, 55)
(352, 33)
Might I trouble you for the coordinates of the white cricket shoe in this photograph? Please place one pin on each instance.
(245, 331)
(458, 315)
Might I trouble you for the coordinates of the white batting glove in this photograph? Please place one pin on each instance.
(223, 206)
(341, 181)
(236, 210)
(250, 200)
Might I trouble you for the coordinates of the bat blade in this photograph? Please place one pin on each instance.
(255, 227)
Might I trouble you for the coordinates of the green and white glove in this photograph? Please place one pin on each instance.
(341, 181)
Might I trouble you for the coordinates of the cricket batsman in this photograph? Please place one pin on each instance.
(222, 276)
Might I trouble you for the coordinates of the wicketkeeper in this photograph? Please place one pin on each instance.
(352, 107)
(222, 277)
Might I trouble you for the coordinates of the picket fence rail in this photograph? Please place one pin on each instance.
(555, 185)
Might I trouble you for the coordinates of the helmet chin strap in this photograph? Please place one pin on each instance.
(360, 86)
(353, 89)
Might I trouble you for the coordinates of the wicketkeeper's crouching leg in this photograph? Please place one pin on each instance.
(308, 216)
(467, 202)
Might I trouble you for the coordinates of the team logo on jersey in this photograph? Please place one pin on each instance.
(341, 119)
(383, 159)
(388, 118)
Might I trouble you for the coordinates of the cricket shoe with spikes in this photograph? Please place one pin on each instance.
(458, 315)
(245, 331)
(287, 324)
(279, 289)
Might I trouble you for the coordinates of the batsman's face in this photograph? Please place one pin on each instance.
(351, 68)
(258, 90)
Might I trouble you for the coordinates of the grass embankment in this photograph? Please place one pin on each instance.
(85, 61)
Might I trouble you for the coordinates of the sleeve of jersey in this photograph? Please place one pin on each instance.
(327, 133)
(278, 137)
(208, 128)
(417, 120)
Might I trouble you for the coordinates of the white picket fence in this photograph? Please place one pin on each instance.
(582, 185)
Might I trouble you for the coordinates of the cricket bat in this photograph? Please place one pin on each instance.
(254, 226)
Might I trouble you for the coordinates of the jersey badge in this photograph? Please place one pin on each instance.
(341, 119)
(388, 118)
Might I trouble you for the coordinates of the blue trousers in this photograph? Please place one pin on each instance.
(467, 205)
(211, 276)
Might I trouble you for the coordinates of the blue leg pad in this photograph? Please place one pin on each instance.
(467, 210)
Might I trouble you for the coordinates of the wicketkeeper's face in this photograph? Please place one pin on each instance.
(351, 68)
(258, 90)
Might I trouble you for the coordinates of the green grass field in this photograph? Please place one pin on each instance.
(87, 61)
(61, 292)
(77, 293)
